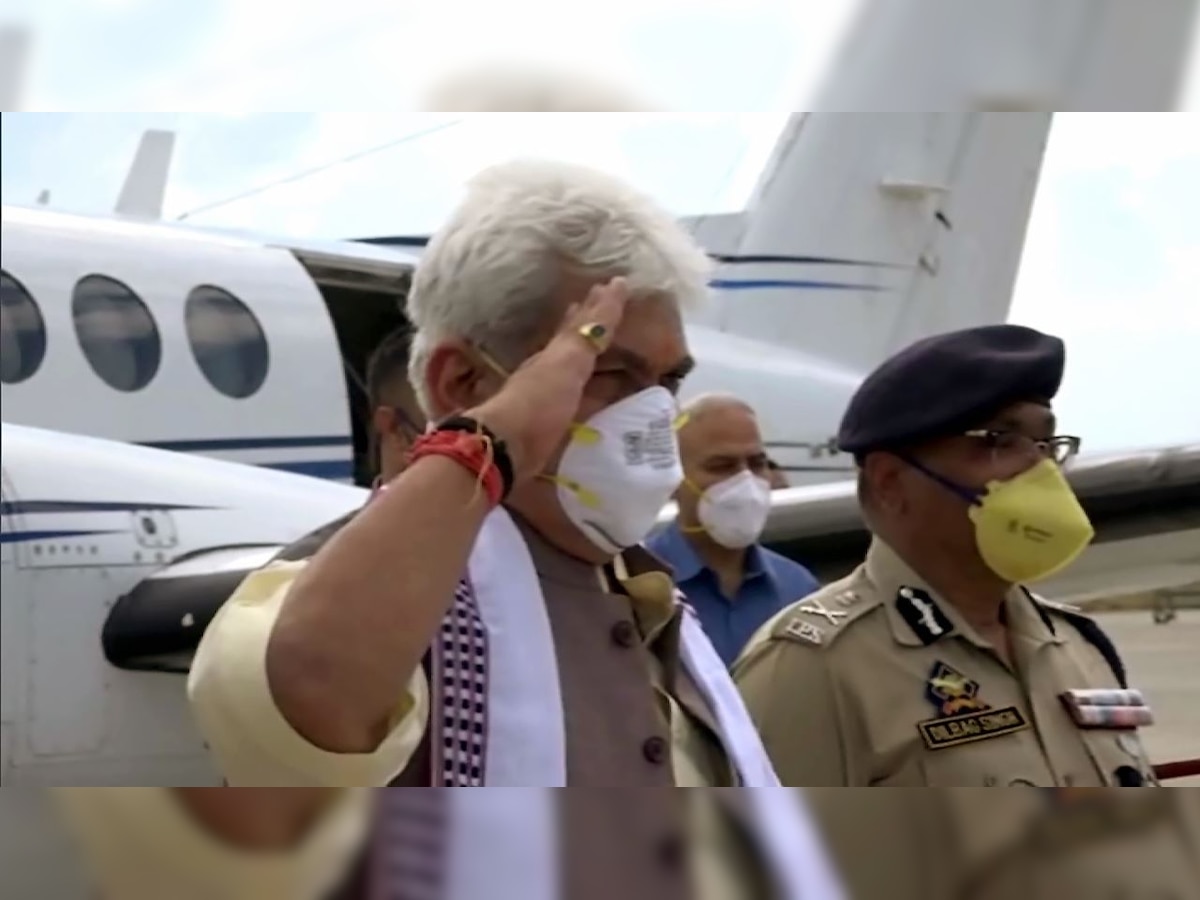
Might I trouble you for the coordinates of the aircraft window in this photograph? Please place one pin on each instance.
(22, 332)
(116, 332)
(227, 341)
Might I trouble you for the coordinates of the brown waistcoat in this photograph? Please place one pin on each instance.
(623, 822)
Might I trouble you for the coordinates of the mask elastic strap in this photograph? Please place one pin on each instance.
(490, 362)
(585, 496)
(974, 498)
(693, 529)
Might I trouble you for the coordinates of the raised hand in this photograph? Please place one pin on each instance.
(537, 404)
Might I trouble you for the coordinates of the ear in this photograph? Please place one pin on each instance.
(885, 481)
(383, 421)
(457, 378)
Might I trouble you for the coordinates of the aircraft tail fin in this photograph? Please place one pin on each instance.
(1031, 55)
(869, 230)
(872, 230)
(14, 53)
(145, 189)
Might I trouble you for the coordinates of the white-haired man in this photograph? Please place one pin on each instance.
(489, 619)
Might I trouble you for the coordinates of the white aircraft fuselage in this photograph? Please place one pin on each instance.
(254, 352)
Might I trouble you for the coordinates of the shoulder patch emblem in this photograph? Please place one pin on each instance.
(923, 615)
(805, 631)
(951, 692)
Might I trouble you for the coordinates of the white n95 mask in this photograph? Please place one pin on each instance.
(734, 511)
(620, 469)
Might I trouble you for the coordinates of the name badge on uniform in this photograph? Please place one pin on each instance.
(1103, 708)
(963, 718)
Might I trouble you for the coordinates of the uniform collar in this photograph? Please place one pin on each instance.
(918, 616)
(686, 562)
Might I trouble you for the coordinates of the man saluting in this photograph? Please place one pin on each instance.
(490, 618)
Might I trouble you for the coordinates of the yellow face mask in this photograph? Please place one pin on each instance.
(1032, 526)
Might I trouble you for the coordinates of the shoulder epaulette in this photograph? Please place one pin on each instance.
(820, 618)
(1091, 631)
(1065, 608)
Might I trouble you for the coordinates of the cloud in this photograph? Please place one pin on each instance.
(247, 55)
(693, 163)
(1141, 144)
(1116, 277)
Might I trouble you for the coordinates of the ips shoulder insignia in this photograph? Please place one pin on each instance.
(819, 618)
(923, 615)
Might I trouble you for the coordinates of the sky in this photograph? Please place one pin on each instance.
(1112, 260)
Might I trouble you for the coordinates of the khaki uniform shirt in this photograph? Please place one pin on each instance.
(633, 719)
(874, 680)
(975, 844)
(1109, 845)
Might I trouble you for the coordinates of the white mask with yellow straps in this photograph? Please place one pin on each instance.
(621, 468)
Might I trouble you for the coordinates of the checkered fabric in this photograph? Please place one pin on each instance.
(410, 841)
(459, 697)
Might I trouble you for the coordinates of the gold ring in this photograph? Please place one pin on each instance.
(594, 333)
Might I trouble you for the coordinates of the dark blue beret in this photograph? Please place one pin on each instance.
(950, 383)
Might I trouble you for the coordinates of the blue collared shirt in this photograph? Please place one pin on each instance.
(771, 582)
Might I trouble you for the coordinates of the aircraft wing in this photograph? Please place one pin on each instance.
(1145, 507)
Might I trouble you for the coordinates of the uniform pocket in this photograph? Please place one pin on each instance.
(1011, 759)
(1119, 756)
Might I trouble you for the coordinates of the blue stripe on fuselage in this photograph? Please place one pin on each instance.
(213, 445)
(21, 537)
(758, 284)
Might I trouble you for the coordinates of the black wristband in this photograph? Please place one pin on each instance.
(500, 457)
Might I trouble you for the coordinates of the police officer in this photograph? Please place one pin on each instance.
(932, 664)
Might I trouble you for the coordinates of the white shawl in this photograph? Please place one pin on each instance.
(524, 745)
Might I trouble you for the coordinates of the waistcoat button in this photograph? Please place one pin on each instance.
(624, 634)
(671, 850)
(655, 750)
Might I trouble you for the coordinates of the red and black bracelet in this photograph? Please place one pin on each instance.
(473, 446)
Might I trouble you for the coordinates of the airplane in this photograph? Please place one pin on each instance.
(170, 392)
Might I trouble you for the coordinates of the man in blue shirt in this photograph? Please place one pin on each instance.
(734, 583)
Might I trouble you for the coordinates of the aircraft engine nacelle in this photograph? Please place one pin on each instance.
(114, 558)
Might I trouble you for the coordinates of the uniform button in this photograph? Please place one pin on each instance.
(655, 750)
(671, 850)
(624, 634)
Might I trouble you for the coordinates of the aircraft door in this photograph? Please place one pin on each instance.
(13, 622)
(53, 684)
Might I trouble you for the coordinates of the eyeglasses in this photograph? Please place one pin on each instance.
(1061, 448)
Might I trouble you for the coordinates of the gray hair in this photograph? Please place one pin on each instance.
(490, 273)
